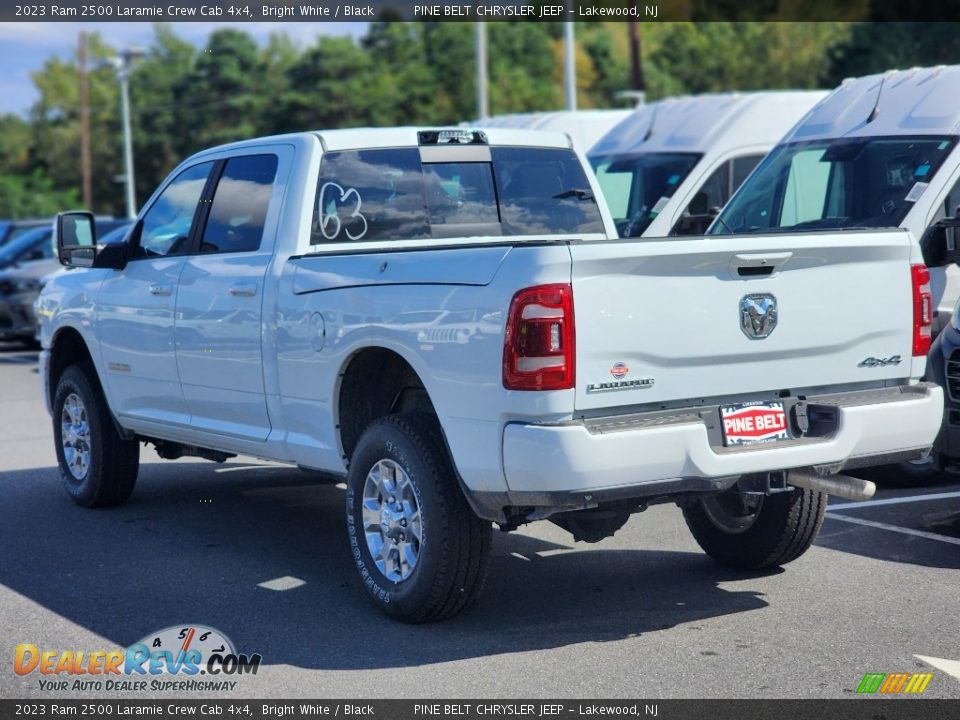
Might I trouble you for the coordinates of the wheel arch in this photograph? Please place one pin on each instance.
(375, 381)
(68, 347)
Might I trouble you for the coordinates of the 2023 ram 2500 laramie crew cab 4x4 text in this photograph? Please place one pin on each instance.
(447, 318)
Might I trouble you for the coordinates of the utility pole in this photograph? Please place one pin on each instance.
(85, 168)
(483, 101)
(637, 82)
(571, 66)
(122, 64)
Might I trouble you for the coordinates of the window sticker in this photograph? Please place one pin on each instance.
(661, 204)
(916, 191)
(332, 198)
(922, 170)
(673, 180)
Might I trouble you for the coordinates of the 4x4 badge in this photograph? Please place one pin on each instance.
(879, 362)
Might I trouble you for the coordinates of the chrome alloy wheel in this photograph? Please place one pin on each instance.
(391, 520)
(733, 512)
(75, 436)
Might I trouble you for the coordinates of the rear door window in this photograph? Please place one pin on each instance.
(240, 203)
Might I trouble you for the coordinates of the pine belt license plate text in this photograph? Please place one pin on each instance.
(753, 423)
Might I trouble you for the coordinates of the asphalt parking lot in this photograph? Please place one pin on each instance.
(642, 615)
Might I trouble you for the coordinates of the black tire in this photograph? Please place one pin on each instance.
(454, 550)
(781, 530)
(110, 473)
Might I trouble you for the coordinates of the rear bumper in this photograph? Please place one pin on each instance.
(650, 455)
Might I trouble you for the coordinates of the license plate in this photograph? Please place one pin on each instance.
(753, 423)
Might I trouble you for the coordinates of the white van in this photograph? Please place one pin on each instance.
(670, 166)
(585, 127)
(879, 151)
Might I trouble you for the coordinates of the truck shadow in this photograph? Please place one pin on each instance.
(196, 540)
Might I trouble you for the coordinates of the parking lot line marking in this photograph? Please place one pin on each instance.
(895, 528)
(235, 468)
(550, 553)
(895, 501)
(282, 583)
(950, 667)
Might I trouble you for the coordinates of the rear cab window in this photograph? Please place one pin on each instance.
(400, 194)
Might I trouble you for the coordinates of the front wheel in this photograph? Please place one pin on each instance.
(421, 552)
(98, 466)
(756, 531)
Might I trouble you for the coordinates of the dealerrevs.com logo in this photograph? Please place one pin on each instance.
(178, 658)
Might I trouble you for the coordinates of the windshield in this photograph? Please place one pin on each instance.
(24, 243)
(637, 187)
(834, 184)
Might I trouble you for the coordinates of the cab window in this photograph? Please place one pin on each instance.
(166, 225)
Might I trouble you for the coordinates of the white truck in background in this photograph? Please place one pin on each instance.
(671, 165)
(585, 127)
(879, 152)
(447, 320)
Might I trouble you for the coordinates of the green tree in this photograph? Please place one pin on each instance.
(328, 87)
(874, 47)
(15, 136)
(223, 95)
(55, 119)
(24, 196)
(158, 118)
(449, 53)
(405, 82)
(722, 56)
(524, 68)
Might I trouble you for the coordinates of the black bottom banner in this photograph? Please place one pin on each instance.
(854, 709)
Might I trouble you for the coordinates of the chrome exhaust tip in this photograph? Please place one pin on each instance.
(849, 488)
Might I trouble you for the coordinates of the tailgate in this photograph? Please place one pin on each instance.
(678, 319)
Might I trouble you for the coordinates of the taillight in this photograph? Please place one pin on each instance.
(538, 351)
(922, 309)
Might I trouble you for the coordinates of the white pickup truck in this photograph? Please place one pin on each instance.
(447, 319)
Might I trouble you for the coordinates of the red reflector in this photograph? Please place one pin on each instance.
(538, 350)
(922, 309)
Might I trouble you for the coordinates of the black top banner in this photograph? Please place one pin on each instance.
(476, 10)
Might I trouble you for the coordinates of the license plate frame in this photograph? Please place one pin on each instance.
(759, 422)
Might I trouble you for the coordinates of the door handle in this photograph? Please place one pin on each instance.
(747, 265)
(161, 289)
(244, 289)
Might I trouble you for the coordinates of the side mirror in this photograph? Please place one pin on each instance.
(76, 239)
(941, 243)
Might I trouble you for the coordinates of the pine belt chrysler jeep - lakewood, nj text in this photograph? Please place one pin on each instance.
(447, 319)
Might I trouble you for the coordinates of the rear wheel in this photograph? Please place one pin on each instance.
(98, 466)
(421, 552)
(756, 531)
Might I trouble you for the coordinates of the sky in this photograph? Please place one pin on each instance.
(24, 47)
